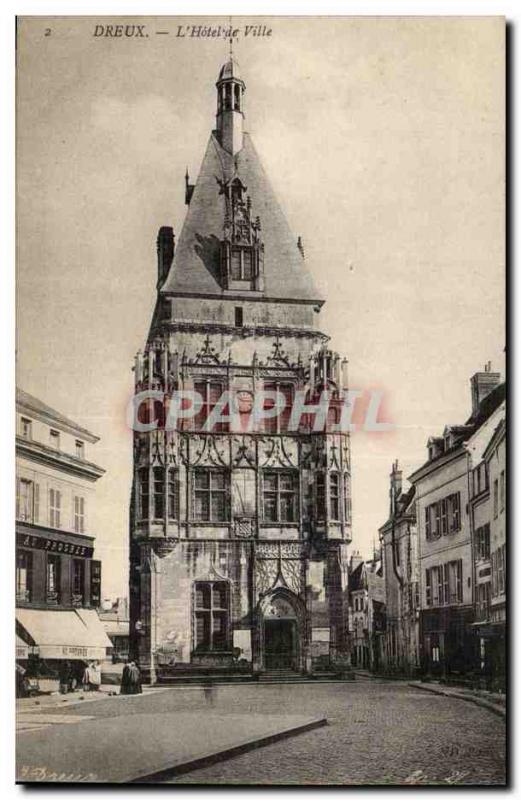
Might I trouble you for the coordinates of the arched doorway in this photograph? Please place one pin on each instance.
(281, 620)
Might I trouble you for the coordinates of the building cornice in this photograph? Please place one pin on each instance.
(246, 331)
(57, 459)
(255, 297)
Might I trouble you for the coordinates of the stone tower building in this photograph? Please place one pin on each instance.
(237, 539)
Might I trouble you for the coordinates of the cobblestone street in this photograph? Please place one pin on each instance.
(377, 733)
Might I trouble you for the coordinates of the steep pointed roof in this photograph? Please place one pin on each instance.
(195, 268)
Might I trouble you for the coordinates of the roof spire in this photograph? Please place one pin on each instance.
(230, 101)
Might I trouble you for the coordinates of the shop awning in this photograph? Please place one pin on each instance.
(22, 649)
(65, 634)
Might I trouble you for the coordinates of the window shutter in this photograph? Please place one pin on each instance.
(36, 502)
(427, 522)
(51, 507)
(17, 498)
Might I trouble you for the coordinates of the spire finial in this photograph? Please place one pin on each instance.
(231, 38)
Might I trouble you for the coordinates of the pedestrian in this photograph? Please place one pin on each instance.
(86, 678)
(65, 675)
(94, 677)
(135, 679)
(125, 679)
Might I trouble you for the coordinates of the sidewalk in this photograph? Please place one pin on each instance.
(137, 745)
(493, 702)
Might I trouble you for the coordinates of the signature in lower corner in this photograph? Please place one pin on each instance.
(45, 774)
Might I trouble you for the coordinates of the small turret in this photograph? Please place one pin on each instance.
(230, 112)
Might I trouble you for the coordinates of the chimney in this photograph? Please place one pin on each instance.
(395, 487)
(165, 253)
(481, 385)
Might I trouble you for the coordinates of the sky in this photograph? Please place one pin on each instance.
(384, 141)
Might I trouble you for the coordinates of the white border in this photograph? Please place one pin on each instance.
(510, 9)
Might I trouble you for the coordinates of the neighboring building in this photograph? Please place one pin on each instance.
(237, 540)
(115, 621)
(445, 538)
(399, 543)
(487, 461)
(367, 615)
(58, 583)
(358, 613)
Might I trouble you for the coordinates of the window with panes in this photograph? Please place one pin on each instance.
(242, 264)
(210, 393)
(211, 615)
(144, 492)
(24, 573)
(78, 581)
(280, 495)
(278, 423)
(482, 537)
(334, 495)
(173, 493)
(26, 428)
(53, 578)
(211, 495)
(483, 601)
(444, 584)
(347, 499)
(158, 477)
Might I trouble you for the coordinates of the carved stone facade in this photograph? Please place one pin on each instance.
(238, 538)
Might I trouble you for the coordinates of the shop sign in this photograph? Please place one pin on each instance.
(53, 546)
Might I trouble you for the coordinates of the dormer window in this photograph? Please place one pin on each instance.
(26, 426)
(242, 264)
(242, 251)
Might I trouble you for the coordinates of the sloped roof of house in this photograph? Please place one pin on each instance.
(486, 408)
(195, 268)
(31, 403)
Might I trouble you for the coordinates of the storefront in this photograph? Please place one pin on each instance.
(492, 654)
(48, 638)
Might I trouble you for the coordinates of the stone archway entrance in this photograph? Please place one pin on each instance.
(280, 631)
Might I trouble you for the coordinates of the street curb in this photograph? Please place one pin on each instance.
(228, 752)
(478, 701)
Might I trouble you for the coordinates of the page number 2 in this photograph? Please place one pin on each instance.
(47, 32)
